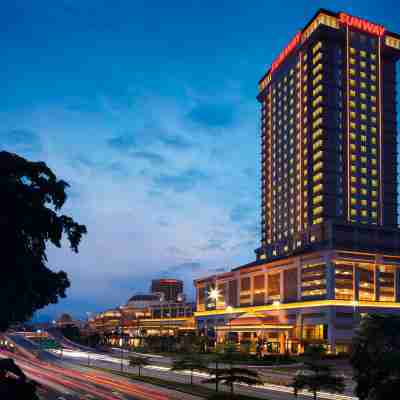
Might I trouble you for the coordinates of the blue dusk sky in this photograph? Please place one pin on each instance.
(148, 110)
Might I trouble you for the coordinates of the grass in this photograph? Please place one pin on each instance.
(195, 390)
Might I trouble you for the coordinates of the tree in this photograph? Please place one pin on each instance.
(30, 201)
(316, 377)
(191, 362)
(230, 376)
(138, 362)
(13, 383)
(375, 357)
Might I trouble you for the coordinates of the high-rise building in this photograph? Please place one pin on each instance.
(171, 289)
(330, 245)
(328, 128)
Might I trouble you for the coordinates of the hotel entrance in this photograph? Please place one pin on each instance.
(259, 335)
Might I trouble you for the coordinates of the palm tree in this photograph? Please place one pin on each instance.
(232, 375)
(316, 377)
(138, 362)
(191, 362)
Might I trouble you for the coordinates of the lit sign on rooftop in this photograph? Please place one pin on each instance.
(362, 24)
(286, 51)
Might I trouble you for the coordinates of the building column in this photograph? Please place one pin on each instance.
(282, 287)
(299, 331)
(356, 278)
(331, 316)
(397, 284)
(377, 282)
(330, 280)
(298, 267)
(282, 343)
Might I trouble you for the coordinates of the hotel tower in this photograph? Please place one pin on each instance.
(330, 243)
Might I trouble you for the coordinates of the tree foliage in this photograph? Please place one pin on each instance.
(190, 362)
(30, 201)
(376, 357)
(316, 377)
(14, 385)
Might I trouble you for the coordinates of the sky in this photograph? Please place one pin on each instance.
(148, 109)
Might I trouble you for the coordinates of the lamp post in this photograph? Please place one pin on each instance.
(214, 294)
(229, 310)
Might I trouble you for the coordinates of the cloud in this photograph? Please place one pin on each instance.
(123, 142)
(177, 142)
(152, 158)
(212, 115)
(214, 244)
(161, 197)
(240, 213)
(21, 140)
(181, 182)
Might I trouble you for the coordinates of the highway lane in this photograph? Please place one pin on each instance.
(271, 391)
(76, 355)
(76, 381)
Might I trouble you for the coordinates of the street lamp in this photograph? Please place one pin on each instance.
(214, 294)
(229, 310)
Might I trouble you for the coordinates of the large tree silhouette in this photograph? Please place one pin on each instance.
(31, 197)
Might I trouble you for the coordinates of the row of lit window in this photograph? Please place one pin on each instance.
(363, 74)
(363, 202)
(363, 85)
(363, 53)
(363, 127)
(363, 95)
(363, 170)
(363, 213)
(364, 181)
(363, 117)
(363, 149)
(363, 192)
(362, 64)
(363, 106)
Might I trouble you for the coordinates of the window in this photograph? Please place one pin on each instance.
(318, 210)
(317, 47)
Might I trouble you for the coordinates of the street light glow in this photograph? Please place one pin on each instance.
(214, 294)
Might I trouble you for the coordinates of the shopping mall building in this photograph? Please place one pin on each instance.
(330, 243)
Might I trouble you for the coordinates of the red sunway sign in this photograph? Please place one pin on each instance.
(286, 51)
(362, 24)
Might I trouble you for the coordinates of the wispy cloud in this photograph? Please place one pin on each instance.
(168, 196)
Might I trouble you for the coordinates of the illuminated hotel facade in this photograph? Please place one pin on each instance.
(330, 243)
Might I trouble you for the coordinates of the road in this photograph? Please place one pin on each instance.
(62, 379)
(270, 391)
(78, 357)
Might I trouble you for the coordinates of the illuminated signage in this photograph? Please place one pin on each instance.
(362, 24)
(287, 50)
